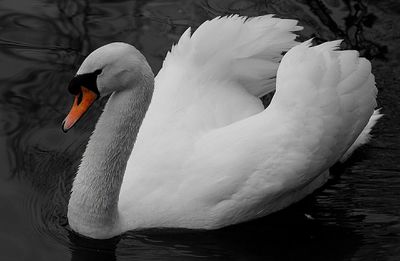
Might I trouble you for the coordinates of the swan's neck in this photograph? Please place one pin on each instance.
(92, 208)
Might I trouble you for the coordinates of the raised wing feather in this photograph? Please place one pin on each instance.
(214, 76)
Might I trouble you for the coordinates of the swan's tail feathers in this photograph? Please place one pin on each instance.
(331, 93)
(364, 136)
(244, 50)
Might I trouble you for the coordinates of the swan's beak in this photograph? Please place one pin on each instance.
(82, 102)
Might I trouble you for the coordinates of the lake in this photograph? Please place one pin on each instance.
(355, 216)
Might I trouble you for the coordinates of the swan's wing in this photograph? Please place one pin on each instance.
(323, 101)
(213, 77)
(243, 50)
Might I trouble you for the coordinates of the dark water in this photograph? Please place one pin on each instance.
(356, 216)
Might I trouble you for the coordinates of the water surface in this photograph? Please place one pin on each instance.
(356, 216)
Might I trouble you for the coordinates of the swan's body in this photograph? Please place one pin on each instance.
(207, 154)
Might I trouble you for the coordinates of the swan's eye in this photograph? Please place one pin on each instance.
(87, 80)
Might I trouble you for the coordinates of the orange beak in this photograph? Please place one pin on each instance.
(81, 104)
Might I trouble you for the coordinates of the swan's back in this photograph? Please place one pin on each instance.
(209, 155)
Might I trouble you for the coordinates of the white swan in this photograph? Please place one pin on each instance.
(207, 154)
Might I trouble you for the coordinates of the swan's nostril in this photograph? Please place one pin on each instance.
(80, 96)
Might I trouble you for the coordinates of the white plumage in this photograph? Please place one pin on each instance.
(208, 155)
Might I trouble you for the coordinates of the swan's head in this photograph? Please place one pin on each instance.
(110, 68)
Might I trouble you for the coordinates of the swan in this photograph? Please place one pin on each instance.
(205, 152)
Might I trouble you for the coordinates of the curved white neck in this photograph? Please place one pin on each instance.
(93, 206)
